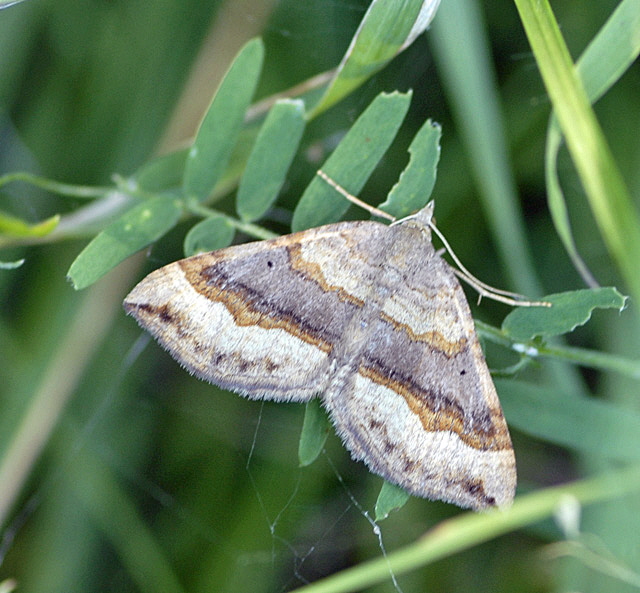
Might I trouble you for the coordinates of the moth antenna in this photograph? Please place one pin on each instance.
(357, 201)
(503, 296)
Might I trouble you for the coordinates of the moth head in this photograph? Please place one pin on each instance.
(423, 219)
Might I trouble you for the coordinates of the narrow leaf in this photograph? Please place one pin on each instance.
(614, 211)
(469, 78)
(219, 130)
(135, 229)
(269, 161)
(315, 429)
(391, 498)
(386, 29)
(210, 234)
(607, 57)
(352, 161)
(238, 161)
(568, 310)
(416, 182)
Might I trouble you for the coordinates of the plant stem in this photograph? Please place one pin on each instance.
(470, 529)
(580, 356)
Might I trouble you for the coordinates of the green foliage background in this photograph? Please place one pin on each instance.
(151, 480)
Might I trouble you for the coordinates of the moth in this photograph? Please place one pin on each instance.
(369, 318)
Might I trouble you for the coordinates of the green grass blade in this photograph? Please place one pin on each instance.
(613, 210)
(461, 49)
(610, 53)
(612, 50)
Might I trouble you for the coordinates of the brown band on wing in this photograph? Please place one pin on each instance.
(240, 299)
(438, 414)
(433, 338)
(313, 272)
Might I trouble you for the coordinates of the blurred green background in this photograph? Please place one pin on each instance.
(152, 480)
